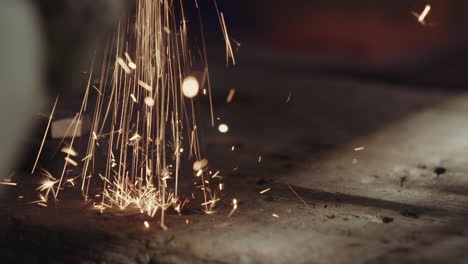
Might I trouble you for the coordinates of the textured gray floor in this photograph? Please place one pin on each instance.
(382, 204)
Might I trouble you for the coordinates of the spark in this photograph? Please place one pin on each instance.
(145, 86)
(358, 148)
(230, 95)
(421, 17)
(223, 128)
(298, 196)
(8, 183)
(216, 174)
(264, 191)
(233, 148)
(72, 162)
(123, 65)
(135, 137)
(149, 101)
(133, 98)
(234, 207)
(200, 164)
(70, 151)
(275, 215)
(45, 135)
(146, 224)
(131, 64)
(190, 87)
(288, 99)
(259, 159)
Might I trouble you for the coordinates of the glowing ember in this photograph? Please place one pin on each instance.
(234, 207)
(275, 215)
(421, 17)
(223, 128)
(146, 224)
(149, 101)
(264, 191)
(359, 149)
(200, 164)
(190, 87)
(70, 151)
(230, 95)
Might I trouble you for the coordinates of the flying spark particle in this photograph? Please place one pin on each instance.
(146, 224)
(359, 148)
(190, 87)
(275, 215)
(149, 101)
(200, 164)
(8, 183)
(288, 99)
(70, 151)
(72, 162)
(223, 128)
(216, 174)
(133, 98)
(421, 17)
(259, 159)
(131, 64)
(145, 86)
(233, 148)
(264, 191)
(123, 65)
(234, 207)
(230, 95)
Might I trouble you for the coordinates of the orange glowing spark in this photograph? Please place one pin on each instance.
(133, 98)
(230, 95)
(123, 65)
(223, 128)
(149, 101)
(298, 196)
(8, 183)
(234, 207)
(359, 149)
(72, 162)
(190, 87)
(135, 137)
(264, 191)
(146, 224)
(45, 135)
(131, 64)
(145, 86)
(288, 99)
(200, 164)
(275, 215)
(70, 151)
(259, 159)
(421, 17)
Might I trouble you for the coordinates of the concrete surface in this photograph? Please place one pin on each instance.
(402, 199)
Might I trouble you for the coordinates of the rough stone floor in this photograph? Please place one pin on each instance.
(401, 198)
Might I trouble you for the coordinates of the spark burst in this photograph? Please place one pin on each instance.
(143, 105)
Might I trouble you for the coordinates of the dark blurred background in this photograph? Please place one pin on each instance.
(359, 38)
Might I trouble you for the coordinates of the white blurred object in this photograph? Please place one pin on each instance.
(70, 127)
